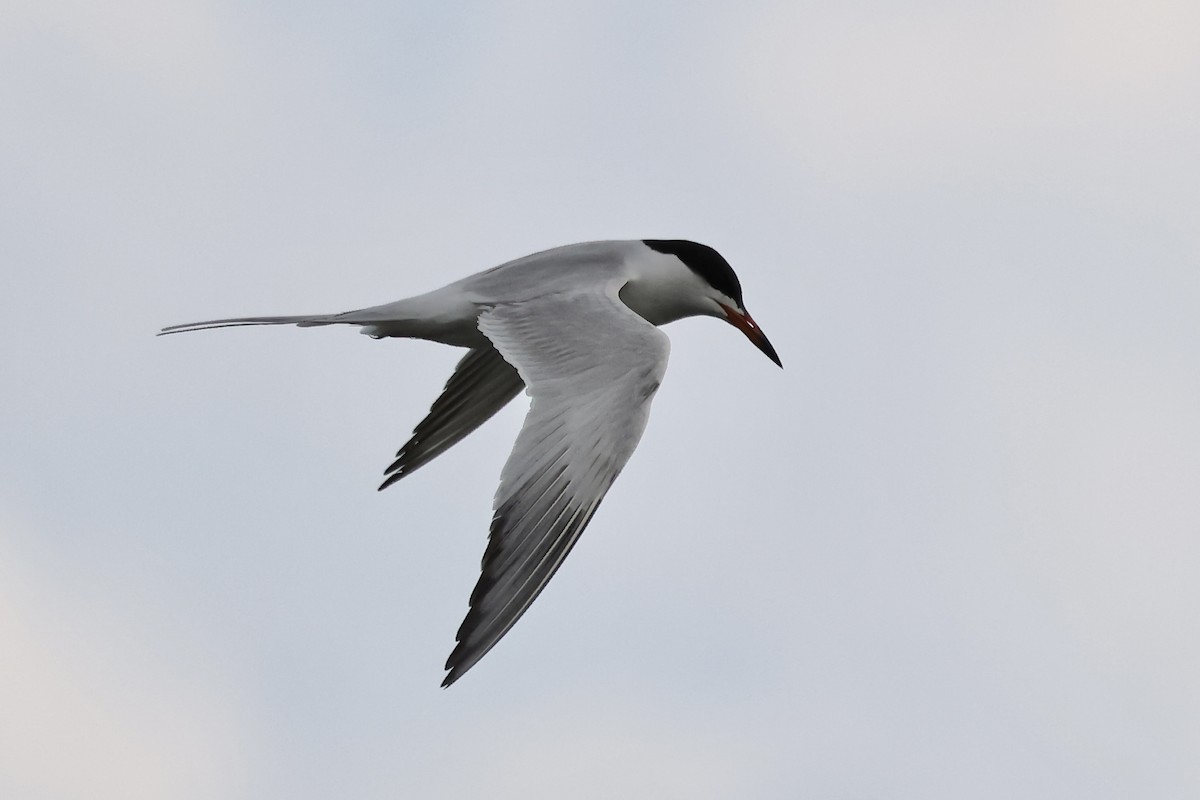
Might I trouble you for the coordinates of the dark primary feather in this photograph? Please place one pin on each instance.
(482, 384)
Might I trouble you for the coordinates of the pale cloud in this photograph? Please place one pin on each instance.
(1118, 47)
(601, 747)
(90, 707)
(871, 96)
(176, 44)
(1103, 464)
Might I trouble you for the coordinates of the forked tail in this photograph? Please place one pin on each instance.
(237, 322)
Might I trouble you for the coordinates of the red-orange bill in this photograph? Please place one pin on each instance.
(746, 324)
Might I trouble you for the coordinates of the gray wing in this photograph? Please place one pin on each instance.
(592, 367)
(482, 384)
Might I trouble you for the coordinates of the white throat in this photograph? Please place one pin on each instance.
(662, 289)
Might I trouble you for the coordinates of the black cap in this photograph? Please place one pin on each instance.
(705, 262)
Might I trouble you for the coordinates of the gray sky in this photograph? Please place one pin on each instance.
(951, 551)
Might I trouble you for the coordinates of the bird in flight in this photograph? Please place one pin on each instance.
(576, 327)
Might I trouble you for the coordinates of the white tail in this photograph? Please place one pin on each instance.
(301, 321)
(404, 318)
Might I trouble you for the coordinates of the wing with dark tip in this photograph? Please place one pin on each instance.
(592, 366)
(482, 384)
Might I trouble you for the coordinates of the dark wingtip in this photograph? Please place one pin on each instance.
(453, 666)
(392, 477)
(395, 471)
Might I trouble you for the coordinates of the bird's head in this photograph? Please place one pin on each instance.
(722, 292)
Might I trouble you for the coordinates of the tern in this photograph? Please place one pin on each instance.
(576, 327)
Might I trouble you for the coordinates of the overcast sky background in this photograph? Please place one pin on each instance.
(950, 551)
